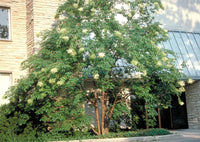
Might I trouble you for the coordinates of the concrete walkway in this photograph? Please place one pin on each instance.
(184, 135)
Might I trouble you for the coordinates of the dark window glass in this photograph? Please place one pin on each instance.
(4, 23)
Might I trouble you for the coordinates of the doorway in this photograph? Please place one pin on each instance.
(176, 116)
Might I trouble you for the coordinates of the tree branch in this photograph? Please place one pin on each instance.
(115, 102)
(92, 101)
(94, 129)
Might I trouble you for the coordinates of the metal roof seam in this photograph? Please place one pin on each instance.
(180, 52)
(188, 54)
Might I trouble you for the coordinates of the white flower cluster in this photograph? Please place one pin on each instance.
(62, 30)
(40, 84)
(159, 63)
(101, 54)
(164, 59)
(87, 2)
(181, 83)
(30, 101)
(169, 65)
(165, 31)
(43, 70)
(181, 89)
(96, 76)
(54, 70)
(81, 49)
(84, 31)
(52, 80)
(75, 5)
(190, 81)
(156, 3)
(80, 9)
(93, 56)
(66, 38)
(134, 62)
(93, 9)
(43, 95)
(181, 103)
(117, 33)
(140, 5)
(61, 17)
(60, 82)
(144, 73)
(71, 51)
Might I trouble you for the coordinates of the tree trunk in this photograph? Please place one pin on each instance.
(106, 129)
(102, 112)
(97, 113)
(159, 117)
(104, 125)
(146, 116)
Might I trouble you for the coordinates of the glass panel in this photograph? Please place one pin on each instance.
(4, 23)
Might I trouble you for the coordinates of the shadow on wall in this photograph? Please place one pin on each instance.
(180, 15)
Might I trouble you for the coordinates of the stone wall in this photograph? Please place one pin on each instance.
(193, 105)
(14, 51)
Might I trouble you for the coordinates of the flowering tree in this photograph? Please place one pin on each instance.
(116, 43)
(100, 51)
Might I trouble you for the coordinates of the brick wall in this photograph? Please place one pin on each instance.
(14, 51)
(44, 13)
(29, 26)
(193, 105)
(28, 18)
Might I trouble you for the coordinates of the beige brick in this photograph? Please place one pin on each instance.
(28, 17)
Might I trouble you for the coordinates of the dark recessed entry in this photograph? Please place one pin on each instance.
(175, 117)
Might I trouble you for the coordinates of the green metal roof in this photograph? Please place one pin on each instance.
(187, 46)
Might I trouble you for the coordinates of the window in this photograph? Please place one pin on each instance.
(4, 23)
(5, 83)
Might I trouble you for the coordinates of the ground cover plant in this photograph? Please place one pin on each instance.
(137, 133)
(31, 138)
(92, 56)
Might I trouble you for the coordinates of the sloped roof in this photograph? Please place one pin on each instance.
(187, 46)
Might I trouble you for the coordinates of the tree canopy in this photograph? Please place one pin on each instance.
(102, 52)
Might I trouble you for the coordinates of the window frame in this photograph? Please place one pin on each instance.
(10, 74)
(9, 24)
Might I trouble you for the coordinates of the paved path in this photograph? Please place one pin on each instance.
(186, 135)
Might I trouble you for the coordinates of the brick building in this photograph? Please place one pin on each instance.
(22, 20)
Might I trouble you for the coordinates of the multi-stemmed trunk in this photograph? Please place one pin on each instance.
(103, 123)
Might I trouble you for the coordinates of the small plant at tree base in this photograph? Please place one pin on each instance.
(90, 55)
